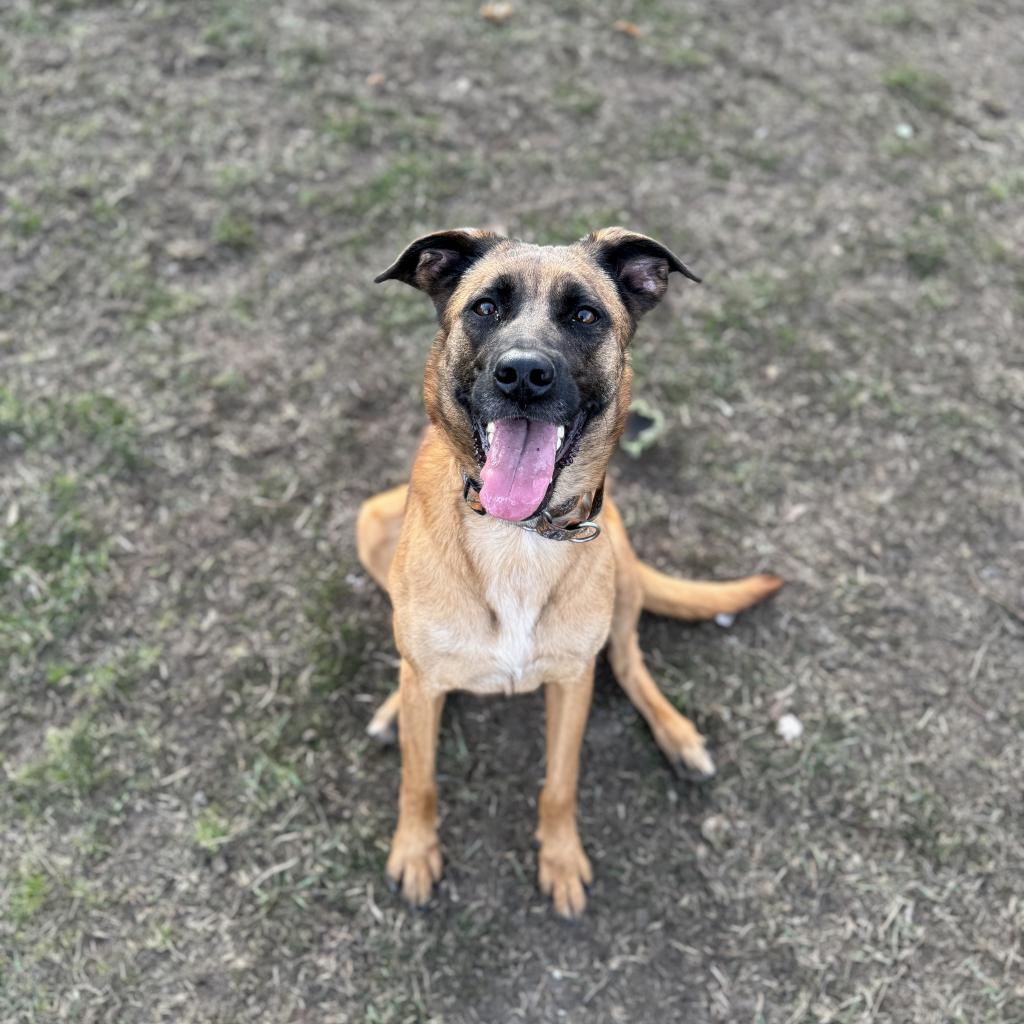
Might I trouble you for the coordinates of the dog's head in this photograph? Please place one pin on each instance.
(529, 376)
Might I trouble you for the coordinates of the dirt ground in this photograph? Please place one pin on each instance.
(199, 384)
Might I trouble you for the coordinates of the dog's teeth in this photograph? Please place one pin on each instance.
(560, 438)
(490, 432)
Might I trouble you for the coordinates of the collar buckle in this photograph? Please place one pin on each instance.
(576, 533)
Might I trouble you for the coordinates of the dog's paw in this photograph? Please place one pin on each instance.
(563, 873)
(384, 731)
(686, 750)
(414, 865)
(383, 726)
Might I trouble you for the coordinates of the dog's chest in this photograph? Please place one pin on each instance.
(514, 644)
(508, 637)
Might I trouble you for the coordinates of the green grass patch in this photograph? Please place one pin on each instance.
(544, 229)
(14, 415)
(235, 29)
(1008, 187)
(368, 124)
(269, 780)
(103, 422)
(680, 57)
(23, 221)
(901, 17)
(392, 183)
(926, 90)
(119, 675)
(357, 129)
(211, 830)
(232, 178)
(575, 97)
(411, 186)
(28, 892)
(152, 302)
(96, 421)
(926, 255)
(234, 231)
(339, 643)
(69, 765)
(51, 560)
(675, 138)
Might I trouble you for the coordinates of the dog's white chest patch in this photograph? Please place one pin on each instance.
(506, 638)
(514, 647)
(504, 656)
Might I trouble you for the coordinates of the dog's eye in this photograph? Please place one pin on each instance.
(485, 308)
(585, 315)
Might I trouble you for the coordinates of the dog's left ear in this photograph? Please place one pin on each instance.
(435, 263)
(639, 266)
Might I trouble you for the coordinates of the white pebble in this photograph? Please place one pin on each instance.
(724, 619)
(789, 727)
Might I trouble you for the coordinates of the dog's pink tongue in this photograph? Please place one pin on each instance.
(520, 464)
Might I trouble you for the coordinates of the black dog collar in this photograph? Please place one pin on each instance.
(558, 523)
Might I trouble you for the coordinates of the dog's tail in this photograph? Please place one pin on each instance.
(693, 600)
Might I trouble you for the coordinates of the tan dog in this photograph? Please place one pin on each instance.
(527, 389)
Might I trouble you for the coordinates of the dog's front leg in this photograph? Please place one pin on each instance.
(415, 859)
(564, 869)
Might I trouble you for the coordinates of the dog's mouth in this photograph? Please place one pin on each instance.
(520, 459)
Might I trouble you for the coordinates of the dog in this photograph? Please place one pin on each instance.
(506, 561)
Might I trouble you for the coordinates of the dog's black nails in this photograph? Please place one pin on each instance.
(687, 774)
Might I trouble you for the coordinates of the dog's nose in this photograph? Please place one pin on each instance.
(524, 374)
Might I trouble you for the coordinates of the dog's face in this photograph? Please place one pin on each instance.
(529, 376)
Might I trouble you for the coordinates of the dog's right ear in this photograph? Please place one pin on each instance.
(435, 263)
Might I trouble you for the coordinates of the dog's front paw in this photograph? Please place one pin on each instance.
(414, 864)
(685, 749)
(564, 871)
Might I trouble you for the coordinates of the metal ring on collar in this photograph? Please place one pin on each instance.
(574, 531)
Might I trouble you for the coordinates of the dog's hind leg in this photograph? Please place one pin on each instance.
(377, 530)
(383, 726)
(677, 736)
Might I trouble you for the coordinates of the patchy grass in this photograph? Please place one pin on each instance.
(69, 765)
(901, 17)
(235, 29)
(235, 231)
(198, 385)
(51, 563)
(99, 422)
(339, 646)
(927, 90)
(1007, 187)
(28, 892)
(676, 138)
(211, 830)
(23, 221)
(576, 98)
(926, 254)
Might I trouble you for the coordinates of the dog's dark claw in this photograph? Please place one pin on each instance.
(687, 774)
(386, 737)
(393, 884)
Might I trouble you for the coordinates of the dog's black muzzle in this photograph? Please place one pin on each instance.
(524, 383)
